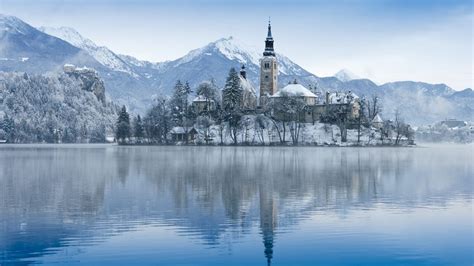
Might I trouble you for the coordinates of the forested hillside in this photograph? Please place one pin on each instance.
(62, 107)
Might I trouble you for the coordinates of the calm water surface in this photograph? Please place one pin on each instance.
(98, 204)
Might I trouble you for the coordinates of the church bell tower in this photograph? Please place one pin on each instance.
(268, 69)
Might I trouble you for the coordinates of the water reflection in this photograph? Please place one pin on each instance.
(59, 196)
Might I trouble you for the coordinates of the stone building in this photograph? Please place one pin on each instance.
(337, 103)
(268, 70)
(201, 104)
(249, 94)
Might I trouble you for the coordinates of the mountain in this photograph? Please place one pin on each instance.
(136, 82)
(345, 75)
(214, 60)
(24, 48)
(100, 53)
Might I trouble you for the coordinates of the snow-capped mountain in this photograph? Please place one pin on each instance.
(214, 60)
(100, 53)
(24, 48)
(135, 82)
(345, 75)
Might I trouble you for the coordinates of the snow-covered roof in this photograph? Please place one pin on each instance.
(377, 119)
(247, 86)
(201, 98)
(180, 130)
(295, 90)
(342, 97)
(68, 68)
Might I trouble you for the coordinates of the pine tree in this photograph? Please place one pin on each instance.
(9, 129)
(179, 103)
(138, 131)
(231, 99)
(232, 93)
(123, 126)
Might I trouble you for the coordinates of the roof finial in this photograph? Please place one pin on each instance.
(269, 34)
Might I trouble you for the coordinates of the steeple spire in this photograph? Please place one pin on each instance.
(269, 41)
(269, 34)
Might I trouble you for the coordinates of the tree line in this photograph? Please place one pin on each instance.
(223, 117)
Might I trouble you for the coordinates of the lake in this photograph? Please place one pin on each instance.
(106, 204)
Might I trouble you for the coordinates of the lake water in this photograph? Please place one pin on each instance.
(104, 204)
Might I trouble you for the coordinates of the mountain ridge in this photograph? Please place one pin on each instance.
(143, 80)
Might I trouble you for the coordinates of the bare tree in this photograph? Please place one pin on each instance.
(399, 126)
(205, 122)
(287, 113)
(260, 126)
(373, 107)
(385, 131)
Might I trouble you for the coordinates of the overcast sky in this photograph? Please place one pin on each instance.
(425, 40)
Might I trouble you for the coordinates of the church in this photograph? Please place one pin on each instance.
(315, 107)
(269, 77)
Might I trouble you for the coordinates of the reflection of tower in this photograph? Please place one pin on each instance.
(268, 220)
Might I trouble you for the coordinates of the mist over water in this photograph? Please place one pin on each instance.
(96, 204)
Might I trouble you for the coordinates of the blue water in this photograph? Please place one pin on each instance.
(104, 204)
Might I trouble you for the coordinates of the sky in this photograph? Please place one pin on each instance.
(383, 40)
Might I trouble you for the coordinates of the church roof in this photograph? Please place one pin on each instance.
(294, 90)
(342, 97)
(247, 86)
(181, 130)
(377, 119)
(201, 98)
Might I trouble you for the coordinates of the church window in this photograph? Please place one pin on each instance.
(267, 65)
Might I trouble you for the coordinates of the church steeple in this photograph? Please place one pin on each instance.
(268, 69)
(269, 42)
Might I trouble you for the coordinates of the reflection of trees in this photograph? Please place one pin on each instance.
(41, 189)
(208, 191)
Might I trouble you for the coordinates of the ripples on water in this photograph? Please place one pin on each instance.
(248, 205)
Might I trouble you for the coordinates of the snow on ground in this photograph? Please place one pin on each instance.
(310, 134)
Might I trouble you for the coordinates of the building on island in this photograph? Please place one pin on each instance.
(268, 69)
(346, 103)
(179, 134)
(454, 123)
(249, 94)
(201, 104)
(377, 122)
(296, 90)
